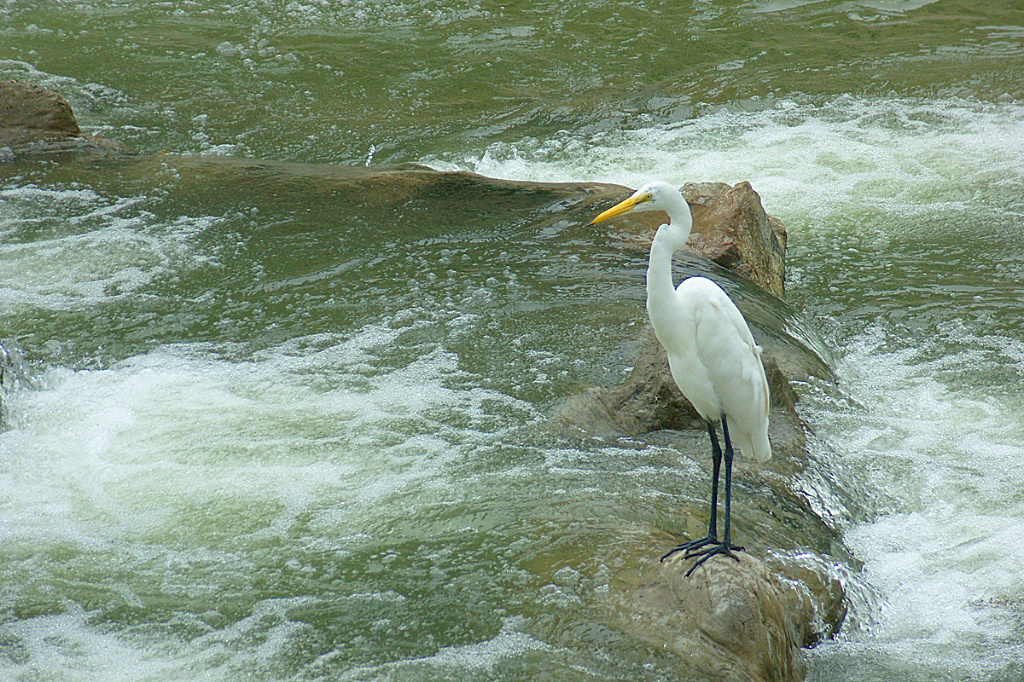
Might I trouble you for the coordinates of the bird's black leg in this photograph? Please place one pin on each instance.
(725, 546)
(712, 536)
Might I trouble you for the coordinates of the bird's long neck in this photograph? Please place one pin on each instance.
(659, 267)
(668, 239)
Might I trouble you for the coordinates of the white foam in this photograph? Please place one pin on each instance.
(810, 159)
(883, 6)
(177, 466)
(122, 451)
(64, 648)
(458, 661)
(70, 647)
(87, 248)
(938, 470)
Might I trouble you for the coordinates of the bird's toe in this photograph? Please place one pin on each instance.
(702, 555)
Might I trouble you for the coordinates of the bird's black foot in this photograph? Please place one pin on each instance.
(702, 555)
(692, 546)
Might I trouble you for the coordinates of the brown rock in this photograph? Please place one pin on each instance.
(35, 119)
(30, 112)
(730, 620)
(732, 229)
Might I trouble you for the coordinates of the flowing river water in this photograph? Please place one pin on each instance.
(263, 441)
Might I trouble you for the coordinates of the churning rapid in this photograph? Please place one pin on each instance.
(252, 439)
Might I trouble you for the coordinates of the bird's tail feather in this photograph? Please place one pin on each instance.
(762, 448)
(755, 445)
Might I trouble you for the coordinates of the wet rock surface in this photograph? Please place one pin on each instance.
(738, 234)
(29, 112)
(36, 120)
(731, 620)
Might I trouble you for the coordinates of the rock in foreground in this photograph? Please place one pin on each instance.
(730, 620)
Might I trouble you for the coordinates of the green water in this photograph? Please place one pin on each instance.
(276, 435)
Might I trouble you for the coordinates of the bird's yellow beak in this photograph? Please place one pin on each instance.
(622, 207)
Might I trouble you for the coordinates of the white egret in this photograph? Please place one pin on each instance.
(711, 353)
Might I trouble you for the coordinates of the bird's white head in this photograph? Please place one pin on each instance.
(654, 196)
